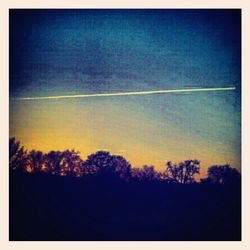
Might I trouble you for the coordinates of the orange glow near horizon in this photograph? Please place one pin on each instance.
(100, 125)
(108, 80)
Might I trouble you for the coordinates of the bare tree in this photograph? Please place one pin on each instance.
(182, 173)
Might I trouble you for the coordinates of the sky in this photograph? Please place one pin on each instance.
(83, 52)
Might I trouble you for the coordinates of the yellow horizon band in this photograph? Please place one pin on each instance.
(124, 93)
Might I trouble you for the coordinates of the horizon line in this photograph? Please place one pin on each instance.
(124, 93)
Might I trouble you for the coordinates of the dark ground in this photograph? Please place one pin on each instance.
(45, 207)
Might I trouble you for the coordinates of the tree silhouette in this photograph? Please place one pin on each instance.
(223, 174)
(70, 163)
(122, 167)
(102, 163)
(17, 155)
(35, 161)
(146, 173)
(53, 162)
(137, 173)
(98, 162)
(182, 173)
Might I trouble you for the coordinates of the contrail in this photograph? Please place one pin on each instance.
(125, 93)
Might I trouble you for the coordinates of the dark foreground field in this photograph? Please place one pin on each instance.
(47, 207)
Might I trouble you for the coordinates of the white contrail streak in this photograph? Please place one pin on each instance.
(125, 93)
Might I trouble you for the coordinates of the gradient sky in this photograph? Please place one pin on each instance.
(64, 52)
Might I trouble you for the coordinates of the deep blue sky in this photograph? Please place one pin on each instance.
(58, 52)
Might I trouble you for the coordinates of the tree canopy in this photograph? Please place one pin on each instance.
(183, 173)
(223, 174)
(102, 163)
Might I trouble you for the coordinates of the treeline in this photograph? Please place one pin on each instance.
(102, 163)
(104, 198)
